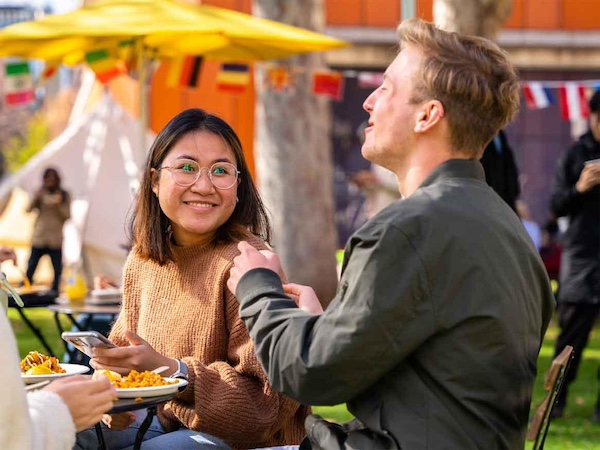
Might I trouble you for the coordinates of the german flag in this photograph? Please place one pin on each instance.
(233, 78)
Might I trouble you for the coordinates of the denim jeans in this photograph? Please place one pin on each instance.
(156, 438)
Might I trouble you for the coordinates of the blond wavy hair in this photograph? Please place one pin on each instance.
(472, 78)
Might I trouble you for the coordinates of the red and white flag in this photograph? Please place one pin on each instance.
(573, 104)
(537, 96)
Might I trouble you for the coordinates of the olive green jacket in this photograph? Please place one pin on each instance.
(434, 333)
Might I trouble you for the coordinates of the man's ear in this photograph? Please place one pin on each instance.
(429, 115)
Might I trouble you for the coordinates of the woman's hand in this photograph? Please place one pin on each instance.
(138, 355)
(7, 253)
(119, 422)
(87, 399)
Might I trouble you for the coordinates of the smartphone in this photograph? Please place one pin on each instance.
(593, 161)
(85, 341)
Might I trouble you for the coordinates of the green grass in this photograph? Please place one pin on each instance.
(575, 431)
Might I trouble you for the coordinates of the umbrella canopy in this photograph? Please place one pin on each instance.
(164, 28)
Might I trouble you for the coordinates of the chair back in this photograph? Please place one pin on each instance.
(553, 383)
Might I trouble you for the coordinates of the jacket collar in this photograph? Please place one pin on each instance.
(455, 168)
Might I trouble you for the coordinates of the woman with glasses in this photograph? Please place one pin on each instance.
(195, 203)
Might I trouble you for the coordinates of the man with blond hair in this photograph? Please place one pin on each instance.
(433, 336)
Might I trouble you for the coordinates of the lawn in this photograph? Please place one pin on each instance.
(575, 431)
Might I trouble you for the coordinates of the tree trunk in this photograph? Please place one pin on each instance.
(476, 17)
(293, 158)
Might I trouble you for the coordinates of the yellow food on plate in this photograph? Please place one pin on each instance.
(40, 369)
(143, 379)
(43, 364)
(112, 376)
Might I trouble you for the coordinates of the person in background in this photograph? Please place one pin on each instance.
(53, 206)
(46, 419)
(196, 201)
(501, 171)
(533, 229)
(433, 336)
(551, 249)
(379, 185)
(576, 195)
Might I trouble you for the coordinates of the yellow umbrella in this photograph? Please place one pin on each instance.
(164, 28)
(158, 29)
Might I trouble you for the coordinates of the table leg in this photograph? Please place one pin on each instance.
(144, 427)
(35, 330)
(101, 443)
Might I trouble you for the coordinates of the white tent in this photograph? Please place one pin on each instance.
(95, 156)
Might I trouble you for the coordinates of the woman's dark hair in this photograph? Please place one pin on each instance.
(149, 226)
(51, 171)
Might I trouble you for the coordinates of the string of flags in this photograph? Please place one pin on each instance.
(236, 78)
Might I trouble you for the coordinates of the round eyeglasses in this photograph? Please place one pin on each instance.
(185, 172)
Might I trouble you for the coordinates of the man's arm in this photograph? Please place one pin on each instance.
(378, 317)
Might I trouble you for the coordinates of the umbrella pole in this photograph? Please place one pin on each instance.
(143, 92)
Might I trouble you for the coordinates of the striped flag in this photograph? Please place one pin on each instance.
(18, 84)
(328, 84)
(370, 79)
(233, 78)
(106, 67)
(573, 104)
(537, 96)
(184, 71)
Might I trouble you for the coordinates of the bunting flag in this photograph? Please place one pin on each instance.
(278, 78)
(370, 79)
(233, 78)
(50, 70)
(18, 84)
(328, 84)
(126, 53)
(106, 67)
(537, 96)
(573, 103)
(184, 71)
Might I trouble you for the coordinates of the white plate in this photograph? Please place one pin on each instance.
(71, 369)
(153, 391)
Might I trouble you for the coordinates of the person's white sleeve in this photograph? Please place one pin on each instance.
(45, 424)
(52, 425)
(15, 425)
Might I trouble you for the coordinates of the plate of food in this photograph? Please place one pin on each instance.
(37, 367)
(142, 384)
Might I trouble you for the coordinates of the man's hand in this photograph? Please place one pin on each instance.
(590, 177)
(305, 298)
(119, 422)
(250, 258)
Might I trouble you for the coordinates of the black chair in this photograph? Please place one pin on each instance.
(553, 384)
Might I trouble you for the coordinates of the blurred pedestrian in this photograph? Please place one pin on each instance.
(576, 195)
(501, 171)
(53, 206)
(378, 184)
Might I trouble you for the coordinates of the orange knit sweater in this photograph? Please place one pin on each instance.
(184, 310)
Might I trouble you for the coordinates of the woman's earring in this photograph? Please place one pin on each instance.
(237, 199)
